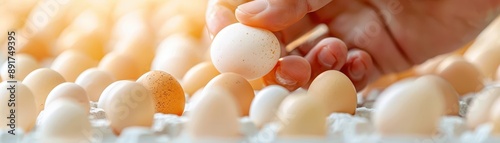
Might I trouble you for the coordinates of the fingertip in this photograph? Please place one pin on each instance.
(359, 68)
(291, 72)
(218, 18)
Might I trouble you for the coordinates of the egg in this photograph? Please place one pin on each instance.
(70, 91)
(94, 81)
(71, 63)
(257, 84)
(24, 64)
(482, 106)
(41, 82)
(400, 112)
(238, 87)
(248, 51)
(131, 104)
(302, 116)
(483, 52)
(266, 103)
(215, 116)
(108, 91)
(449, 94)
(64, 120)
(121, 66)
(24, 103)
(495, 112)
(198, 76)
(142, 56)
(180, 24)
(176, 55)
(336, 90)
(430, 66)
(168, 94)
(462, 75)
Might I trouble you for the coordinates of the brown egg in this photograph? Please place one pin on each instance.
(302, 115)
(257, 84)
(71, 63)
(238, 87)
(215, 116)
(41, 82)
(86, 34)
(121, 66)
(26, 109)
(484, 51)
(430, 66)
(94, 81)
(139, 48)
(168, 94)
(69, 91)
(336, 90)
(198, 76)
(130, 105)
(480, 108)
(448, 92)
(24, 64)
(400, 112)
(176, 55)
(462, 75)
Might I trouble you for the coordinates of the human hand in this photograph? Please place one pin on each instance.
(380, 37)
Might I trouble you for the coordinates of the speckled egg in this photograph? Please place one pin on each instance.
(167, 92)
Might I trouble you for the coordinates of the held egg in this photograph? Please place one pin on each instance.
(69, 91)
(64, 120)
(94, 81)
(400, 112)
(24, 64)
(215, 116)
(131, 104)
(336, 90)
(479, 110)
(237, 86)
(24, 105)
(462, 75)
(198, 76)
(266, 103)
(168, 94)
(41, 82)
(302, 116)
(248, 51)
(71, 63)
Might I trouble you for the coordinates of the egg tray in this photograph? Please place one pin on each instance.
(342, 128)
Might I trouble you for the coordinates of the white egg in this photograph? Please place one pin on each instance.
(248, 51)
(266, 103)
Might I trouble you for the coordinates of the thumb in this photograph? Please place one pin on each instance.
(276, 15)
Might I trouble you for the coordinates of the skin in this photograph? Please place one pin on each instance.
(372, 37)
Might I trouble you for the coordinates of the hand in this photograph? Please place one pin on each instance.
(381, 37)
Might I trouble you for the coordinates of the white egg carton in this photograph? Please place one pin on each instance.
(342, 128)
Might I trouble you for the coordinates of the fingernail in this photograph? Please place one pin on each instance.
(326, 57)
(252, 8)
(357, 69)
(284, 79)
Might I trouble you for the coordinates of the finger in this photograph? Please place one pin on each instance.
(220, 13)
(359, 26)
(276, 15)
(360, 69)
(291, 72)
(329, 54)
